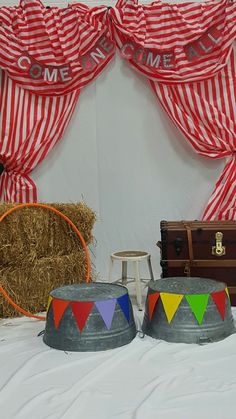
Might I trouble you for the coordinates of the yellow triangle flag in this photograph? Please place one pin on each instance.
(227, 292)
(170, 303)
(49, 302)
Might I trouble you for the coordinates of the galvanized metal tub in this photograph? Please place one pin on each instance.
(89, 317)
(184, 327)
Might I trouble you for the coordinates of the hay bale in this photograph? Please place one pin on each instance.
(39, 251)
(29, 285)
(32, 233)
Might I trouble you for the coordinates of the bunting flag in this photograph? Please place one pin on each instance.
(227, 292)
(170, 303)
(219, 299)
(152, 300)
(59, 307)
(198, 304)
(49, 302)
(106, 308)
(124, 305)
(81, 311)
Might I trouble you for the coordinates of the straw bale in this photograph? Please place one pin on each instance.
(29, 285)
(39, 251)
(32, 233)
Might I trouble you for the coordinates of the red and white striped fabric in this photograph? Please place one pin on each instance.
(169, 28)
(53, 37)
(30, 127)
(205, 112)
(36, 110)
(199, 96)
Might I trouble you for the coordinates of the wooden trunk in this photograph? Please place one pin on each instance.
(204, 249)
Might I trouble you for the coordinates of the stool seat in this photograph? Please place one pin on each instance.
(130, 254)
(134, 256)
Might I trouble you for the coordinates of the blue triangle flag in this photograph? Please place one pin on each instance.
(124, 305)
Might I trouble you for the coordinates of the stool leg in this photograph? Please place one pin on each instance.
(124, 272)
(150, 268)
(110, 269)
(138, 285)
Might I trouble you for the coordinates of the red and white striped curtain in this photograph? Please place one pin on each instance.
(186, 51)
(53, 51)
(47, 55)
(206, 114)
(31, 125)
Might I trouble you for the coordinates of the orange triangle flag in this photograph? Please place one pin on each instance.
(81, 310)
(152, 300)
(219, 299)
(59, 307)
(170, 303)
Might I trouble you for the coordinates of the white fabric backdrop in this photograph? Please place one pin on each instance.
(123, 156)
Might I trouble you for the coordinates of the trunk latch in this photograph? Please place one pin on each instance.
(218, 249)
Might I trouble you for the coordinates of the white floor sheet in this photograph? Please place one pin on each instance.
(147, 379)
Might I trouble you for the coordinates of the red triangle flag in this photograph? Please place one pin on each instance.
(81, 310)
(152, 300)
(59, 307)
(219, 300)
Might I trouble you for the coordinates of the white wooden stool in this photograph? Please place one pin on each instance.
(136, 257)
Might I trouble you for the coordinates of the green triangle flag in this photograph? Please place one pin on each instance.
(198, 304)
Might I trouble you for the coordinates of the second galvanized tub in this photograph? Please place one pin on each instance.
(89, 317)
(173, 310)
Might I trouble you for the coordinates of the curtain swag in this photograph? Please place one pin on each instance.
(186, 51)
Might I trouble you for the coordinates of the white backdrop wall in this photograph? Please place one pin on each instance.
(123, 156)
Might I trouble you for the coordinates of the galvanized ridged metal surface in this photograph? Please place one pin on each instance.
(184, 326)
(183, 285)
(89, 292)
(95, 336)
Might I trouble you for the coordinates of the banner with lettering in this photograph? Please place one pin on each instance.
(175, 42)
(53, 50)
(46, 56)
(187, 53)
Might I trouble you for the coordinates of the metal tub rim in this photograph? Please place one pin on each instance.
(158, 284)
(87, 286)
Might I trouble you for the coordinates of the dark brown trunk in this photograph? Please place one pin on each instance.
(201, 249)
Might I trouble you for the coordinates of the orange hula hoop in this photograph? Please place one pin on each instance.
(76, 230)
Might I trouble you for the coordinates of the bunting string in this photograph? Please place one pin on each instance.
(82, 309)
(197, 303)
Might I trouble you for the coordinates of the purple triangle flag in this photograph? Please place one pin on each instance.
(106, 308)
(124, 305)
